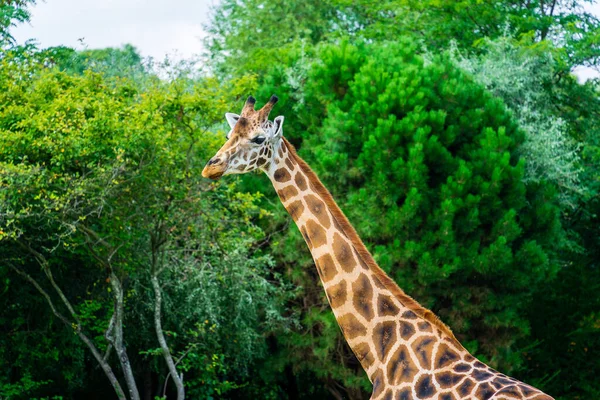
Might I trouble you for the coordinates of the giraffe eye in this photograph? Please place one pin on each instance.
(258, 139)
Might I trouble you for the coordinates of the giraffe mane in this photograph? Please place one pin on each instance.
(361, 249)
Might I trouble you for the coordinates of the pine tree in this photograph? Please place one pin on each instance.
(425, 163)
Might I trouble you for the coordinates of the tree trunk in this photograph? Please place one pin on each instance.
(178, 379)
(117, 339)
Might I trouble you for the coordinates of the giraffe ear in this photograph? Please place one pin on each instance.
(278, 126)
(232, 119)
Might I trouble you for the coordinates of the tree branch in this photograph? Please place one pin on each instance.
(114, 333)
(46, 268)
(177, 378)
(103, 364)
(117, 340)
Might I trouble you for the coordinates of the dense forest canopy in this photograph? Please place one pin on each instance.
(453, 134)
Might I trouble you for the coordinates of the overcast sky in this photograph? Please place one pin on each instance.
(155, 27)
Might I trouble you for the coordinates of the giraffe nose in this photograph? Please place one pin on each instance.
(214, 160)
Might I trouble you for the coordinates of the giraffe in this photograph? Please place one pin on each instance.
(406, 351)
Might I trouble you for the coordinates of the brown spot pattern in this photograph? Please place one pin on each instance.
(384, 337)
(462, 367)
(295, 209)
(318, 209)
(453, 342)
(405, 394)
(378, 384)
(386, 306)
(447, 379)
(305, 236)
(364, 355)
(362, 297)
(300, 181)
(425, 326)
(282, 175)
(511, 390)
(378, 282)
(400, 367)
(289, 164)
(351, 327)
(336, 223)
(480, 375)
(364, 266)
(388, 395)
(261, 161)
(326, 268)
(445, 356)
(316, 233)
(424, 387)
(447, 396)
(527, 390)
(485, 391)
(287, 193)
(406, 330)
(343, 253)
(464, 389)
(422, 347)
(337, 294)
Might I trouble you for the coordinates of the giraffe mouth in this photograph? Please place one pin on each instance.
(213, 172)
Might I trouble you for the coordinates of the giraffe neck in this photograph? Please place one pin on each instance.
(367, 304)
(406, 351)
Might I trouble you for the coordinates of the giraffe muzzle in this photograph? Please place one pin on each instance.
(215, 168)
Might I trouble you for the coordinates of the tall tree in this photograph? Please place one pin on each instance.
(248, 33)
(426, 164)
(235, 44)
(12, 12)
(564, 23)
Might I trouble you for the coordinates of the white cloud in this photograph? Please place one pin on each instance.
(155, 27)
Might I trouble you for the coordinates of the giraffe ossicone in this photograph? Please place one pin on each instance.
(406, 351)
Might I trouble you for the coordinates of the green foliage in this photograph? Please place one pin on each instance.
(564, 23)
(32, 343)
(235, 43)
(253, 32)
(12, 12)
(566, 318)
(100, 175)
(519, 77)
(560, 147)
(124, 61)
(211, 382)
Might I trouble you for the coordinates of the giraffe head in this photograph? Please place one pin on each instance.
(250, 142)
